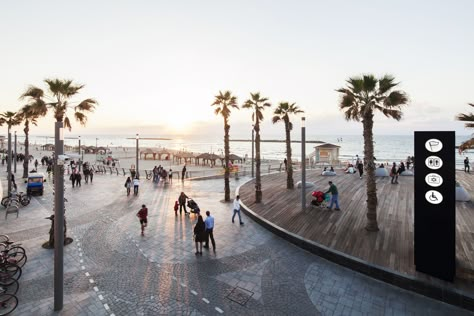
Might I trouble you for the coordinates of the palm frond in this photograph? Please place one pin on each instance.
(386, 83)
(87, 105)
(32, 92)
(276, 119)
(81, 118)
(67, 123)
(469, 144)
(396, 98)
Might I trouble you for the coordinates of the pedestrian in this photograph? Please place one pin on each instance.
(136, 184)
(182, 203)
(334, 196)
(170, 175)
(36, 164)
(91, 174)
(286, 164)
(209, 231)
(13, 181)
(78, 178)
(237, 209)
(142, 216)
(199, 234)
(467, 167)
(360, 167)
(72, 177)
(183, 172)
(394, 173)
(175, 207)
(128, 185)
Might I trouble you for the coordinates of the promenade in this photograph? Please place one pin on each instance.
(111, 270)
(391, 248)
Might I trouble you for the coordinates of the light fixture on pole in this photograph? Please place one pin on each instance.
(138, 174)
(253, 136)
(303, 164)
(79, 162)
(58, 216)
(9, 162)
(14, 163)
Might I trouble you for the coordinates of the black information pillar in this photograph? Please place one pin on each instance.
(435, 208)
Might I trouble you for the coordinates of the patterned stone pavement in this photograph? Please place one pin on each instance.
(111, 270)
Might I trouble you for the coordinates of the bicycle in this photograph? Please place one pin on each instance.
(8, 303)
(13, 254)
(9, 271)
(20, 197)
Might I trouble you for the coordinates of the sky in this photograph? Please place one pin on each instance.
(155, 66)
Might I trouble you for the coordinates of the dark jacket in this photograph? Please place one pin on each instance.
(200, 232)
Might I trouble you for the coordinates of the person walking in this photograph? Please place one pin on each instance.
(91, 174)
(128, 185)
(334, 196)
(182, 203)
(237, 209)
(72, 177)
(136, 184)
(394, 173)
(142, 216)
(78, 178)
(199, 234)
(360, 167)
(175, 207)
(36, 164)
(467, 167)
(209, 231)
(183, 172)
(170, 175)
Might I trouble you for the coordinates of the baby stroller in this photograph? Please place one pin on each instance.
(194, 208)
(320, 199)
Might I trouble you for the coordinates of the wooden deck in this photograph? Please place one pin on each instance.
(392, 247)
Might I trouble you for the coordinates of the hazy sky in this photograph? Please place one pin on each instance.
(155, 66)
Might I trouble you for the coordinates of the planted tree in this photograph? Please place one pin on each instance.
(257, 104)
(223, 103)
(10, 119)
(361, 98)
(282, 114)
(469, 119)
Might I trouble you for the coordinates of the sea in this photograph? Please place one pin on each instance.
(388, 148)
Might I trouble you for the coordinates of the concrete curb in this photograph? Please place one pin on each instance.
(435, 291)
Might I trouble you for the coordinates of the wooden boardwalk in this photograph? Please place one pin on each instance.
(392, 247)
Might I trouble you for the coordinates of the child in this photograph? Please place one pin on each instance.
(142, 216)
(176, 206)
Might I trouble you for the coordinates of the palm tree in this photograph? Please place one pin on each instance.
(469, 118)
(29, 113)
(257, 104)
(11, 119)
(224, 102)
(360, 99)
(282, 113)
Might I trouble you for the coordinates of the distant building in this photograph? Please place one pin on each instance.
(326, 153)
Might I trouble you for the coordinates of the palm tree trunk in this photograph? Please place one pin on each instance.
(368, 124)
(27, 150)
(226, 161)
(289, 169)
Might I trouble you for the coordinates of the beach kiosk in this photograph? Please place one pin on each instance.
(326, 153)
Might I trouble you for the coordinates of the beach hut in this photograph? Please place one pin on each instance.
(326, 153)
(234, 157)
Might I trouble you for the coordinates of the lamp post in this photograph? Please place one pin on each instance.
(9, 162)
(137, 138)
(80, 162)
(58, 216)
(14, 162)
(303, 164)
(253, 136)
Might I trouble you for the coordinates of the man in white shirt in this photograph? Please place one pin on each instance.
(237, 209)
(136, 183)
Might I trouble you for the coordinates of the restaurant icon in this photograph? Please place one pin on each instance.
(433, 145)
(433, 162)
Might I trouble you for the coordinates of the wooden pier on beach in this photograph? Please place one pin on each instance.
(392, 247)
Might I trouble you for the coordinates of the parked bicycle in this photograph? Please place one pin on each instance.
(8, 303)
(19, 197)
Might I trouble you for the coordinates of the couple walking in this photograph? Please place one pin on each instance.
(203, 230)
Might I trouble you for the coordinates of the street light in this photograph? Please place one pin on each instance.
(79, 163)
(253, 133)
(9, 162)
(303, 164)
(14, 163)
(58, 216)
(138, 174)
